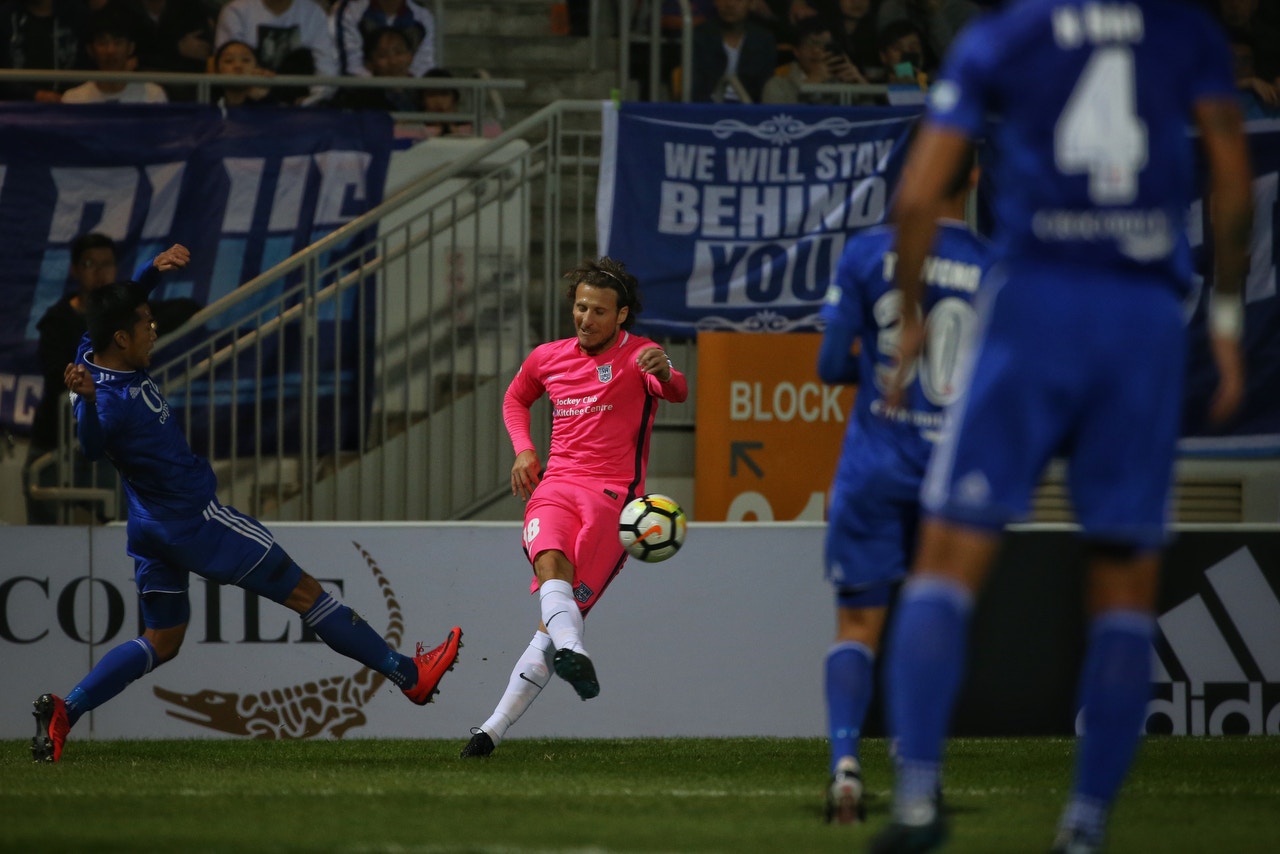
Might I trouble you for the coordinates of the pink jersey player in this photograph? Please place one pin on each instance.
(604, 385)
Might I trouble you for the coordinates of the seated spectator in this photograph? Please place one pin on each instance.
(289, 36)
(817, 61)
(733, 57)
(939, 21)
(1246, 27)
(172, 35)
(111, 47)
(853, 27)
(40, 34)
(387, 53)
(1259, 97)
(355, 21)
(236, 57)
(902, 57)
(444, 101)
(781, 17)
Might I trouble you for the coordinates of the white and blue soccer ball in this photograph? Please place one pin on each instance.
(652, 527)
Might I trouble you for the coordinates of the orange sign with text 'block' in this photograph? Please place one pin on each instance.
(769, 431)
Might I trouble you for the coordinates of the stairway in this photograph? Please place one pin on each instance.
(514, 39)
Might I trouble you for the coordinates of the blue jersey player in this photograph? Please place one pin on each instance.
(178, 527)
(874, 505)
(1086, 107)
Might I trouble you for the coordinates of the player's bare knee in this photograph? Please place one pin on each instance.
(304, 595)
(552, 564)
(862, 625)
(1122, 576)
(166, 642)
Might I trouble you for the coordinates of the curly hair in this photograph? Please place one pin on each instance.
(605, 272)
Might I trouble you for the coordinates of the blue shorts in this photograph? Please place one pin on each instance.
(1082, 364)
(869, 546)
(222, 545)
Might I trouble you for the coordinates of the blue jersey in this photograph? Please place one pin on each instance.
(1087, 107)
(863, 305)
(134, 428)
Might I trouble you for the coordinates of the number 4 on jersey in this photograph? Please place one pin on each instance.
(1099, 132)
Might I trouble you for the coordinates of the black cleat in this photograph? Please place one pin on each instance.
(479, 747)
(577, 669)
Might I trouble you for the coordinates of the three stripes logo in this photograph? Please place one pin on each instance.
(1217, 659)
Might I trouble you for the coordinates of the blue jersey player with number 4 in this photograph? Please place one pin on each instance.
(1087, 108)
(178, 527)
(875, 496)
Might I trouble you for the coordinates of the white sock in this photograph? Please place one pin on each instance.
(530, 676)
(560, 615)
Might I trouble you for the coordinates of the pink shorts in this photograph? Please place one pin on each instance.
(580, 519)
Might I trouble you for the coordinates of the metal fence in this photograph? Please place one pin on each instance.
(363, 377)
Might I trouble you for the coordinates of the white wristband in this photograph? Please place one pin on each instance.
(1226, 316)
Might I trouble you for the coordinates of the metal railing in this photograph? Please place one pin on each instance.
(483, 91)
(363, 377)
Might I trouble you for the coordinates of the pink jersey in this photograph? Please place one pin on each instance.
(602, 408)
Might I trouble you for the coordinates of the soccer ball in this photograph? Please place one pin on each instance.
(651, 527)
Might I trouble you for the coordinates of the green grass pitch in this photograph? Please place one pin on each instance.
(1217, 795)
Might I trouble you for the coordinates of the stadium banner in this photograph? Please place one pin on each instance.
(1216, 658)
(769, 431)
(1256, 431)
(243, 191)
(733, 216)
(250, 669)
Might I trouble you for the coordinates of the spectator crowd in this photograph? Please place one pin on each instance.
(361, 38)
(745, 51)
(767, 51)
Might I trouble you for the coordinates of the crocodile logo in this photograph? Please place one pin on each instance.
(329, 706)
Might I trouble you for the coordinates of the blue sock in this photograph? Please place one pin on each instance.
(850, 675)
(347, 633)
(927, 647)
(120, 666)
(1115, 687)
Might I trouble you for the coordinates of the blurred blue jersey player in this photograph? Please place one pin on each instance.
(875, 497)
(177, 526)
(1087, 107)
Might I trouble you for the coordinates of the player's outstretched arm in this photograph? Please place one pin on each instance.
(148, 273)
(175, 257)
(1222, 134)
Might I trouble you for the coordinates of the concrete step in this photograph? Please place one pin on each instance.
(576, 85)
(539, 92)
(509, 18)
(538, 55)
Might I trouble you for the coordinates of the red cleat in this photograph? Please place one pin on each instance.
(51, 728)
(432, 666)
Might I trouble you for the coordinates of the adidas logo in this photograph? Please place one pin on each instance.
(1217, 660)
